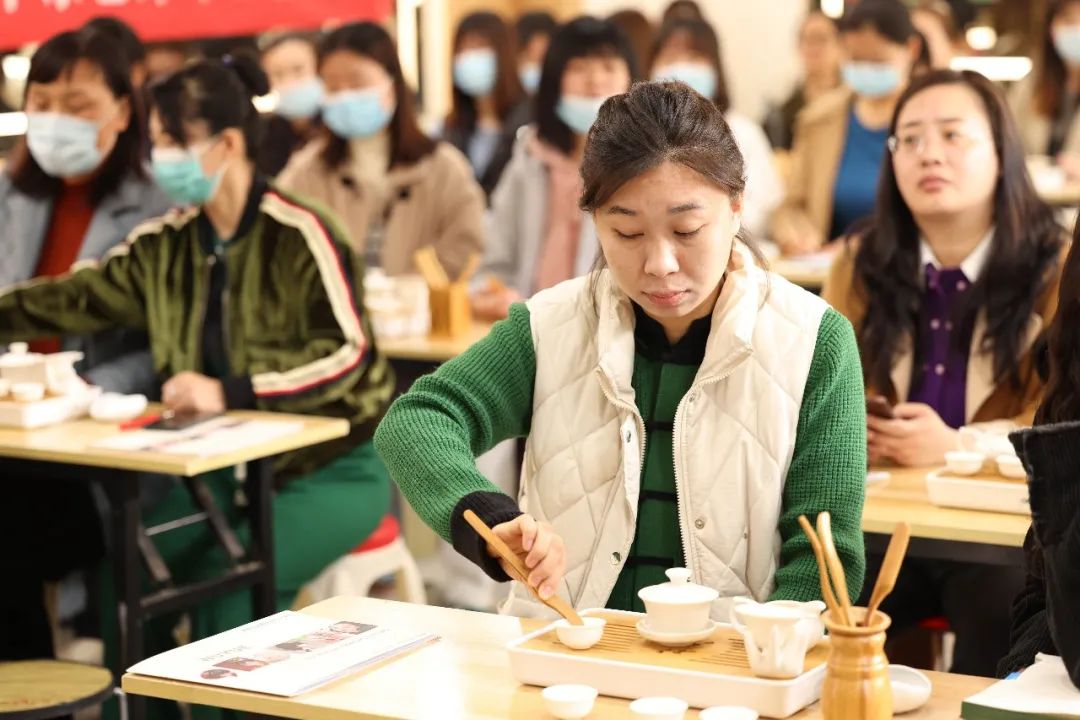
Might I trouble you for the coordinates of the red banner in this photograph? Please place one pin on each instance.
(24, 21)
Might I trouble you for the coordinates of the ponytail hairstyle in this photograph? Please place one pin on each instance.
(216, 92)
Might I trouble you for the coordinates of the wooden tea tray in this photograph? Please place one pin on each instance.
(988, 491)
(623, 664)
(50, 410)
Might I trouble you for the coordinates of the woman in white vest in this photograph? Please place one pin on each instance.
(682, 405)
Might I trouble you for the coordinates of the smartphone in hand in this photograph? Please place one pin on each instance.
(879, 407)
(182, 422)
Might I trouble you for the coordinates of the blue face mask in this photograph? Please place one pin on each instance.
(356, 113)
(872, 79)
(300, 101)
(1067, 43)
(62, 145)
(179, 173)
(579, 112)
(475, 72)
(530, 77)
(699, 76)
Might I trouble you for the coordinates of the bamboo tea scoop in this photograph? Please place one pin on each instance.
(827, 593)
(890, 569)
(520, 572)
(836, 568)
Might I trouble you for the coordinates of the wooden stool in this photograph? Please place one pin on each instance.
(40, 689)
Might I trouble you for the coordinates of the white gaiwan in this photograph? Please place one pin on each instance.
(55, 373)
(677, 606)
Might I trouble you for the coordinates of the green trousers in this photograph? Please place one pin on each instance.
(317, 519)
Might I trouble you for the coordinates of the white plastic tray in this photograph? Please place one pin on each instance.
(770, 698)
(973, 493)
(50, 411)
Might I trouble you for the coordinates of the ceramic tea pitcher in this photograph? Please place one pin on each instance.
(776, 636)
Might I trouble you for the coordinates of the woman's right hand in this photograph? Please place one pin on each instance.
(539, 547)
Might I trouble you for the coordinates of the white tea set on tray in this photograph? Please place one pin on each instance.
(777, 636)
(38, 390)
(984, 474)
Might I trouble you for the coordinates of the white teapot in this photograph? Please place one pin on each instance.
(55, 372)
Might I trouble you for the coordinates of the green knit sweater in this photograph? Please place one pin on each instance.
(431, 436)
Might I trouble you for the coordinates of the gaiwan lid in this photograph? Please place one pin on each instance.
(18, 355)
(678, 591)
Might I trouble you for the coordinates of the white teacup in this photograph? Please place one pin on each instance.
(776, 637)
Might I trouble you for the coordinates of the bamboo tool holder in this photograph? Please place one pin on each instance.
(520, 572)
(857, 676)
(451, 309)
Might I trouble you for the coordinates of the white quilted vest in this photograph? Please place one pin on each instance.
(734, 433)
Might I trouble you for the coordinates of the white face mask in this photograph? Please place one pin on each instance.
(64, 146)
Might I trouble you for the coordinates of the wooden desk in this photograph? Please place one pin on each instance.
(973, 535)
(432, 350)
(807, 275)
(1067, 195)
(72, 443)
(465, 675)
(66, 451)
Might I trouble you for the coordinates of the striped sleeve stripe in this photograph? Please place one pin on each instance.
(342, 303)
(175, 219)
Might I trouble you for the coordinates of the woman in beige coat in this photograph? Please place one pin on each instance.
(395, 189)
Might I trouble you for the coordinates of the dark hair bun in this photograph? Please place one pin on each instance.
(250, 73)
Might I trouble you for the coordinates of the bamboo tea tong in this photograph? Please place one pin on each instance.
(519, 571)
(834, 588)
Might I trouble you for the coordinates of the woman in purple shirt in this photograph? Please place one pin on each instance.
(950, 291)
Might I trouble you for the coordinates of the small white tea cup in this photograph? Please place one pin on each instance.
(580, 637)
(659, 708)
(569, 702)
(964, 462)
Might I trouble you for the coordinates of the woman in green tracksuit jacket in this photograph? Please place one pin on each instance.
(251, 299)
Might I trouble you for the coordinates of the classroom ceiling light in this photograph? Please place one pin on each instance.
(999, 68)
(16, 67)
(981, 37)
(833, 8)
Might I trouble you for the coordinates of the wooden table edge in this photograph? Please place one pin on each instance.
(936, 532)
(314, 433)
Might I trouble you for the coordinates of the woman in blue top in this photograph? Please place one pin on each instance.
(840, 138)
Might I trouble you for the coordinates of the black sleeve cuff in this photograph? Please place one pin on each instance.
(1051, 457)
(239, 393)
(493, 508)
